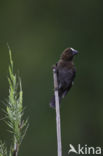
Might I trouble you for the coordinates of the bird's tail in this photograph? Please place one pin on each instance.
(52, 102)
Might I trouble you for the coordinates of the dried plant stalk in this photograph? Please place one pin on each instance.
(58, 123)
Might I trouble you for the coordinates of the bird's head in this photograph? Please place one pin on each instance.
(68, 54)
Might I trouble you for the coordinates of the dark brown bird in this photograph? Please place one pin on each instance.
(65, 73)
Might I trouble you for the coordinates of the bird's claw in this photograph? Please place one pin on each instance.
(54, 67)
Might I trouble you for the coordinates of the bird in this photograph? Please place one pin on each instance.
(66, 73)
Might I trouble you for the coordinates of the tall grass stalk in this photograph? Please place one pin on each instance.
(14, 113)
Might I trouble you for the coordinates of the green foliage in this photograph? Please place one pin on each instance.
(14, 113)
(3, 149)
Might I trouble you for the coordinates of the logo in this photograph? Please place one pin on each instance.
(84, 149)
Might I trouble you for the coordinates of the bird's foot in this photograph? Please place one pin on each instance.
(54, 67)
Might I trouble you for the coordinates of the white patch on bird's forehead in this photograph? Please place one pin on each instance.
(72, 49)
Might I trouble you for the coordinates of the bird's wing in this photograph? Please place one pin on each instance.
(65, 77)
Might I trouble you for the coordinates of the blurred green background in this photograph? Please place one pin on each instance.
(37, 32)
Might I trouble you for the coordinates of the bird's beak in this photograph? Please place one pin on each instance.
(75, 52)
